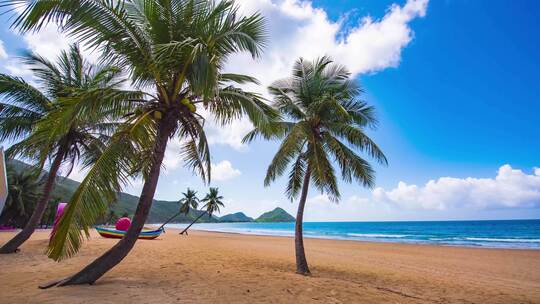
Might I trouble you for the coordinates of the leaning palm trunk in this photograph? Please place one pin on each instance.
(186, 229)
(301, 262)
(170, 219)
(118, 252)
(13, 245)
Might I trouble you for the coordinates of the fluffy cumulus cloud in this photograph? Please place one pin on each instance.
(230, 135)
(298, 29)
(223, 171)
(173, 158)
(510, 188)
(48, 42)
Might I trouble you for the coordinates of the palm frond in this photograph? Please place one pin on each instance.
(296, 177)
(351, 165)
(322, 171)
(290, 147)
(21, 106)
(100, 186)
(358, 139)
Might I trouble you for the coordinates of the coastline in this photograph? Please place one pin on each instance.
(209, 267)
(517, 234)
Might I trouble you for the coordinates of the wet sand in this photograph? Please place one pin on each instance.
(209, 267)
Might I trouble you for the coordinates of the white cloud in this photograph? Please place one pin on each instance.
(3, 53)
(172, 158)
(48, 42)
(17, 69)
(230, 134)
(223, 171)
(298, 29)
(511, 188)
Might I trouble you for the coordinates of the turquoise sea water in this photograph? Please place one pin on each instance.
(523, 234)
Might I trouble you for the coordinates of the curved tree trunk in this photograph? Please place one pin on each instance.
(186, 229)
(13, 244)
(170, 219)
(118, 252)
(301, 262)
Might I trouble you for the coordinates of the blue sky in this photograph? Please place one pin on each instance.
(456, 89)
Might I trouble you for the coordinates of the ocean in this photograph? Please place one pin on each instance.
(519, 234)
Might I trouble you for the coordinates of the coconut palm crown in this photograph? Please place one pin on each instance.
(59, 118)
(189, 201)
(212, 201)
(326, 127)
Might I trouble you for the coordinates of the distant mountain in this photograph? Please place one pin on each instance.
(161, 210)
(276, 215)
(125, 204)
(235, 217)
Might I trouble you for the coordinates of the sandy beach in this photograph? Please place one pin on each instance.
(209, 267)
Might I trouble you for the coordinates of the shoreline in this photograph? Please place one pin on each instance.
(466, 241)
(380, 241)
(260, 269)
(365, 241)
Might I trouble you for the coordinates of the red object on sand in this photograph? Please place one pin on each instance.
(59, 212)
(123, 224)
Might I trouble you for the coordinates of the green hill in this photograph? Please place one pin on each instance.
(276, 215)
(126, 203)
(235, 217)
(161, 210)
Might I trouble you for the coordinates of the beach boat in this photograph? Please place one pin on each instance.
(146, 234)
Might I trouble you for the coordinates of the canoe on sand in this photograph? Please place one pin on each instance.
(146, 234)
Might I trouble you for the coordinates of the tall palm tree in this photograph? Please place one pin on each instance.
(51, 123)
(325, 128)
(175, 49)
(212, 203)
(188, 202)
(24, 189)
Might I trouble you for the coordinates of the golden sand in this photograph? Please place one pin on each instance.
(230, 268)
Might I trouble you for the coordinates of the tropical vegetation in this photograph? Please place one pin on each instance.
(212, 203)
(61, 122)
(24, 190)
(187, 203)
(175, 51)
(324, 127)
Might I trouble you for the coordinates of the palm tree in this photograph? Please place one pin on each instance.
(176, 50)
(24, 190)
(326, 123)
(52, 124)
(188, 202)
(212, 204)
